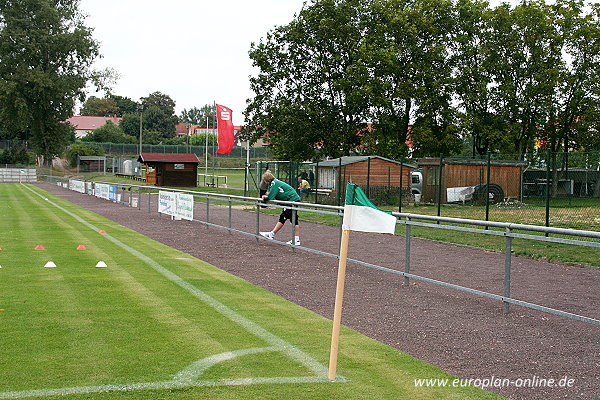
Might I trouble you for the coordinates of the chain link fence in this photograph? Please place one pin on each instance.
(550, 189)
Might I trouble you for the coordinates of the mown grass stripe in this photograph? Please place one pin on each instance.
(292, 352)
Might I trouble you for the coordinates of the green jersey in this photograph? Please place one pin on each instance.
(279, 190)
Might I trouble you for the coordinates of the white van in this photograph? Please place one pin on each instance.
(416, 184)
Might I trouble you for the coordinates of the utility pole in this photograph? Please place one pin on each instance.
(141, 118)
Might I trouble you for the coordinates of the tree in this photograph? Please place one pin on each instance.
(82, 149)
(200, 116)
(571, 119)
(94, 106)
(524, 59)
(162, 102)
(159, 117)
(473, 78)
(155, 119)
(406, 54)
(200, 139)
(15, 155)
(46, 53)
(304, 101)
(109, 133)
(124, 104)
(130, 125)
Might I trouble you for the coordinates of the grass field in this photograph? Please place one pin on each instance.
(158, 323)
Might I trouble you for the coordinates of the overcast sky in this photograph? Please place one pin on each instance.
(195, 51)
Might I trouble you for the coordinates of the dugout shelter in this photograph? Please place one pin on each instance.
(170, 169)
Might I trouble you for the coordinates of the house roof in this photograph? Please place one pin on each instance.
(186, 128)
(335, 162)
(168, 157)
(87, 123)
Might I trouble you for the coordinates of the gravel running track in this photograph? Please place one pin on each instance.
(464, 334)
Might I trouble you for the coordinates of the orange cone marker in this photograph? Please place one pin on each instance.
(39, 247)
(81, 247)
(102, 232)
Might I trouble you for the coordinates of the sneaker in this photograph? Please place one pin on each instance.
(297, 242)
(268, 235)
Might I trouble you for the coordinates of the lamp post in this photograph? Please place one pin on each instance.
(141, 118)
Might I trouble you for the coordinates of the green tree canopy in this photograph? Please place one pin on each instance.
(161, 101)
(305, 102)
(109, 133)
(46, 53)
(199, 116)
(124, 104)
(94, 106)
(454, 70)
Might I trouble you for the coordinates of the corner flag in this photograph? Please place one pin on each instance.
(359, 215)
(362, 215)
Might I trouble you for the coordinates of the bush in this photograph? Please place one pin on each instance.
(80, 149)
(16, 155)
(109, 132)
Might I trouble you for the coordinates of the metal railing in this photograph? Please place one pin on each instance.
(501, 229)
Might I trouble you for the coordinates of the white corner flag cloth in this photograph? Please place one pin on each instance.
(362, 215)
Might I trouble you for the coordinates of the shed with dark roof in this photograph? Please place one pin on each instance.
(170, 169)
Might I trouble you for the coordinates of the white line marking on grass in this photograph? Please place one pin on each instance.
(187, 377)
(195, 370)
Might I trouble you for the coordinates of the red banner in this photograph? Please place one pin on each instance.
(224, 129)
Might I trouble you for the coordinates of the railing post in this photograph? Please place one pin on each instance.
(139, 197)
(400, 200)
(487, 189)
(439, 199)
(149, 199)
(507, 267)
(207, 211)
(293, 224)
(257, 220)
(548, 160)
(230, 215)
(407, 251)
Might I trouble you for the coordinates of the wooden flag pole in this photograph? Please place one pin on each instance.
(337, 311)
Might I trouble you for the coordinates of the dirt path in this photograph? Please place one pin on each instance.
(466, 335)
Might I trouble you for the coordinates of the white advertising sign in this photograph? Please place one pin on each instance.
(102, 190)
(167, 203)
(178, 205)
(185, 206)
(78, 186)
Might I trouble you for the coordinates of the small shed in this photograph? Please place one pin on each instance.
(371, 171)
(91, 164)
(170, 169)
(458, 173)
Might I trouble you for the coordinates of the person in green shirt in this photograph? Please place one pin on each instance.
(279, 190)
